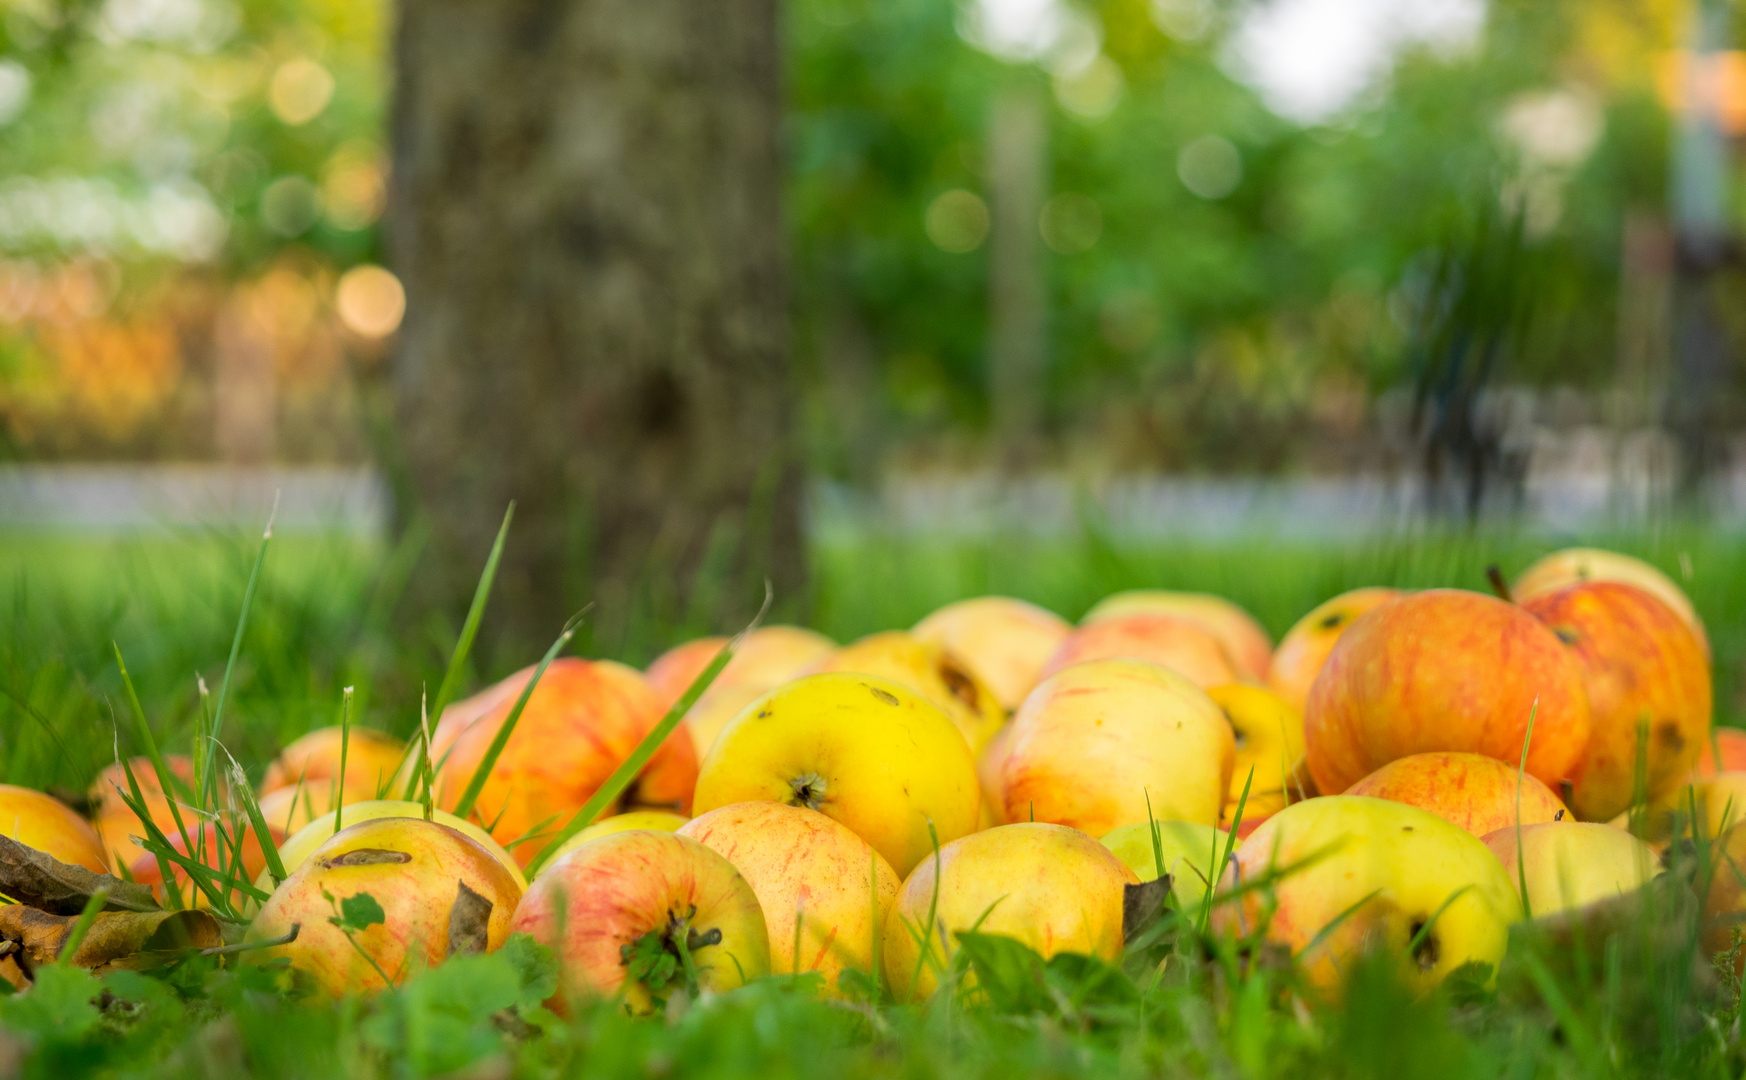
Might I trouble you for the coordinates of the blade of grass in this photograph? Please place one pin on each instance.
(1425, 930)
(339, 798)
(631, 766)
(257, 821)
(236, 641)
(1521, 773)
(87, 918)
(470, 627)
(144, 731)
(137, 804)
(1218, 871)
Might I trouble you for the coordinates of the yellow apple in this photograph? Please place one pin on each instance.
(1113, 742)
(43, 822)
(1189, 848)
(1242, 637)
(425, 876)
(1004, 642)
(1268, 734)
(1571, 864)
(1050, 887)
(939, 675)
(296, 850)
(595, 905)
(1305, 647)
(1575, 565)
(873, 754)
(813, 878)
(653, 820)
(1385, 871)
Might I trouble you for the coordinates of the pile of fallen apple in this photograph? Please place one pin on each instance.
(1398, 772)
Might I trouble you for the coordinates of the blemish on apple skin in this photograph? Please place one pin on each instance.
(884, 695)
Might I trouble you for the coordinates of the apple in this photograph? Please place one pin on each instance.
(1244, 639)
(1053, 888)
(43, 822)
(990, 770)
(115, 821)
(1724, 909)
(1189, 849)
(1173, 641)
(770, 656)
(653, 820)
(1478, 793)
(1305, 647)
(1113, 742)
(296, 850)
(1004, 642)
(1385, 871)
(1445, 669)
(1575, 565)
(1648, 679)
(583, 720)
(432, 883)
(373, 758)
(597, 905)
(1728, 754)
(938, 674)
(823, 890)
(874, 754)
(1268, 734)
(1572, 864)
(719, 704)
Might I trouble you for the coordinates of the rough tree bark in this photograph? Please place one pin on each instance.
(585, 215)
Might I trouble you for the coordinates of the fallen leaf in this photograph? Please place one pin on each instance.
(1142, 904)
(469, 920)
(117, 939)
(39, 880)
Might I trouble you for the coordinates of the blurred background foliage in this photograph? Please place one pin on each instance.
(191, 199)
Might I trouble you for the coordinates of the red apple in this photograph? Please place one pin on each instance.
(1180, 644)
(1476, 792)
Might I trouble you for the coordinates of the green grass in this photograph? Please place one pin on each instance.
(1638, 1003)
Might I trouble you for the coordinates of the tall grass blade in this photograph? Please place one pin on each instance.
(166, 779)
(257, 821)
(339, 797)
(1521, 774)
(242, 621)
(470, 627)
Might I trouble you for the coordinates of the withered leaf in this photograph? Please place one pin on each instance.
(367, 857)
(117, 939)
(1142, 904)
(42, 881)
(469, 919)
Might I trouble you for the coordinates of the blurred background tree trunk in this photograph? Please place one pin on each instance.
(585, 215)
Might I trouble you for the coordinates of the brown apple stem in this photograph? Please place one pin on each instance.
(1498, 584)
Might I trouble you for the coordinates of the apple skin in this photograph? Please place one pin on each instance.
(1472, 791)
(43, 822)
(652, 820)
(1004, 642)
(939, 675)
(1094, 743)
(420, 866)
(770, 656)
(583, 720)
(1732, 744)
(805, 868)
(300, 845)
(1413, 862)
(1305, 647)
(1445, 669)
(373, 758)
(1572, 864)
(1189, 850)
(1268, 734)
(1641, 664)
(874, 754)
(1173, 641)
(1244, 639)
(605, 895)
(1573, 566)
(1053, 888)
(116, 824)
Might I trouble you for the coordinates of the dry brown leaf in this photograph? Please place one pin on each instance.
(40, 880)
(117, 939)
(469, 919)
(1142, 904)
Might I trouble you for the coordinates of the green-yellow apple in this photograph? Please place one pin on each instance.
(1572, 864)
(1189, 850)
(440, 893)
(937, 673)
(583, 720)
(619, 910)
(1243, 638)
(1173, 641)
(655, 820)
(1575, 565)
(1382, 875)
(1112, 742)
(1648, 681)
(43, 822)
(1305, 647)
(823, 890)
(1269, 740)
(1478, 793)
(1445, 669)
(1004, 642)
(1048, 886)
(874, 754)
(373, 758)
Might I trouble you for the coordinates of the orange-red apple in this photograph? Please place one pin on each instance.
(372, 760)
(1473, 791)
(770, 656)
(45, 823)
(1173, 641)
(1731, 745)
(1573, 566)
(1004, 642)
(1305, 647)
(1445, 669)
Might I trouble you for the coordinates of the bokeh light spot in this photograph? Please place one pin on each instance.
(371, 301)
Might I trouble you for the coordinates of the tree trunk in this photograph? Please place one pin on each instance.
(585, 215)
